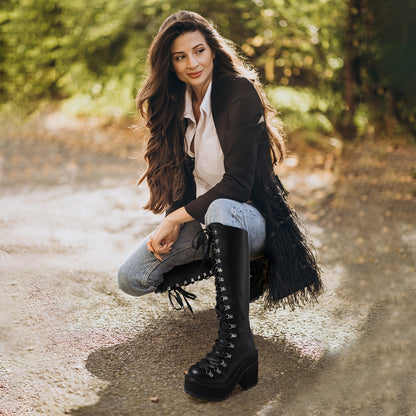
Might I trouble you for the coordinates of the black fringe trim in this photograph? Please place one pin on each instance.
(292, 275)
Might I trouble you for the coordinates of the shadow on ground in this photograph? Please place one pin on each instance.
(153, 365)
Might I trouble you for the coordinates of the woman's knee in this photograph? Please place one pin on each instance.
(220, 210)
(124, 279)
(129, 283)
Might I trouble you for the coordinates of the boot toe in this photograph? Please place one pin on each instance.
(196, 371)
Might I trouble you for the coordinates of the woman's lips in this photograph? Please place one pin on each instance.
(195, 74)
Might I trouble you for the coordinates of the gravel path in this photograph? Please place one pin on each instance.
(72, 343)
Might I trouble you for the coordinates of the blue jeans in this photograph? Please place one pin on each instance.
(141, 273)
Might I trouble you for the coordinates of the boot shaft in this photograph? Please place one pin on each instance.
(232, 270)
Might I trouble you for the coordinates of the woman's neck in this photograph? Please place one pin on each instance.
(198, 92)
(196, 105)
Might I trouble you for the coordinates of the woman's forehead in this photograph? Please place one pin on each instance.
(186, 41)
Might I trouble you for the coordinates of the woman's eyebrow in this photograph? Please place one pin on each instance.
(195, 47)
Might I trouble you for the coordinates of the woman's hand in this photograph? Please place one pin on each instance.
(165, 235)
(161, 241)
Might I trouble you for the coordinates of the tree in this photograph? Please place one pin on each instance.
(383, 42)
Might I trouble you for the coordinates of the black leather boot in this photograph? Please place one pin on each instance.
(189, 273)
(233, 359)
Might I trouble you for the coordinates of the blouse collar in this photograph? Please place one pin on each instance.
(205, 105)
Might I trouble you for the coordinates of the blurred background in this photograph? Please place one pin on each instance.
(341, 67)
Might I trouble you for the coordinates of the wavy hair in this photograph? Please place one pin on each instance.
(161, 102)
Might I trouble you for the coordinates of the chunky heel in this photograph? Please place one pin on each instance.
(250, 377)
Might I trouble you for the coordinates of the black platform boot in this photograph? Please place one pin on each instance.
(233, 359)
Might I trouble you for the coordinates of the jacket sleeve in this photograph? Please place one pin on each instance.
(241, 130)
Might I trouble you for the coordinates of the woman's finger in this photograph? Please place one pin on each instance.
(150, 246)
(164, 248)
(153, 251)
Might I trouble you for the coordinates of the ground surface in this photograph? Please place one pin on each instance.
(72, 343)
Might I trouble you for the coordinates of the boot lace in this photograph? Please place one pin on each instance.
(215, 361)
(180, 296)
(203, 239)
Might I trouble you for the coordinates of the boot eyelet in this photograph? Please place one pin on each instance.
(231, 345)
(209, 373)
(223, 298)
(218, 371)
(193, 280)
(231, 326)
(169, 288)
(216, 241)
(185, 282)
(228, 355)
(227, 307)
(233, 335)
(219, 269)
(223, 363)
(220, 279)
(229, 316)
(223, 288)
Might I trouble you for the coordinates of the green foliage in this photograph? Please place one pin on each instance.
(91, 56)
(67, 49)
(301, 108)
(384, 42)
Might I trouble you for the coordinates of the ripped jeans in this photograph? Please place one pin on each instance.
(141, 273)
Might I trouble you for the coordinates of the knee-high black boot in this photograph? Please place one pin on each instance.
(233, 359)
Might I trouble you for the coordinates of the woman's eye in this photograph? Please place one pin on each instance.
(179, 58)
(200, 50)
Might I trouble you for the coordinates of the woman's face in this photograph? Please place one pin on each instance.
(193, 60)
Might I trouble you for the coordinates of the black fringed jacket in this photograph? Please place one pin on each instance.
(292, 273)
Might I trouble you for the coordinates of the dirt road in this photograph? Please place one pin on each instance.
(72, 343)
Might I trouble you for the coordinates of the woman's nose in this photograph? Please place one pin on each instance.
(192, 61)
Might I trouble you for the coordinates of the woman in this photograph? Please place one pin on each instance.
(210, 159)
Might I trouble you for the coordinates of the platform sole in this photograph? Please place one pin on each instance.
(246, 375)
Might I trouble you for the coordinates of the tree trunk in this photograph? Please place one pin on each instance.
(349, 128)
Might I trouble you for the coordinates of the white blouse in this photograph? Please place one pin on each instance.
(209, 158)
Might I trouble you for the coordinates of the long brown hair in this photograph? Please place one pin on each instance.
(161, 101)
